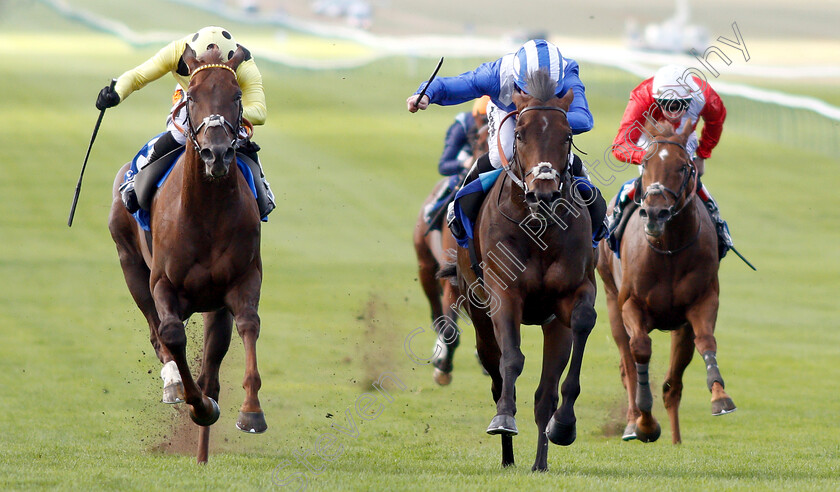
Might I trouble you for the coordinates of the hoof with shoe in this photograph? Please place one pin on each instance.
(651, 436)
(629, 432)
(173, 393)
(251, 422)
(442, 378)
(504, 425)
(722, 407)
(211, 418)
(562, 434)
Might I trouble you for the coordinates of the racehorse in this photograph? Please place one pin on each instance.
(204, 254)
(667, 279)
(436, 247)
(520, 276)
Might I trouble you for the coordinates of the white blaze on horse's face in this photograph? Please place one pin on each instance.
(663, 154)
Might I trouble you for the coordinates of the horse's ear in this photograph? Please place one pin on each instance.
(238, 57)
(566, 100)
(686, 132)
(520, 99)
(189, 58)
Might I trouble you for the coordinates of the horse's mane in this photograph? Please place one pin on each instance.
(541, 85)
(662, 128)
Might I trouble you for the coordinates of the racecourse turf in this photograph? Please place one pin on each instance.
(79, 385)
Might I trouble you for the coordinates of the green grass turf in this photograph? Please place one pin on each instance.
(79, 384)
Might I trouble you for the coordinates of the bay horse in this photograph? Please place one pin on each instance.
(545, 278)
(666, 279)
(435, 248)
(205, 250)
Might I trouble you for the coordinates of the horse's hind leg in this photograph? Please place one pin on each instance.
(557, 345)
(217, 330)
(561, 428)
(702, 317)
(682, 349)
(136, 274)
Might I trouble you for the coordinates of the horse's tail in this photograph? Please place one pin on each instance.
(448, 271)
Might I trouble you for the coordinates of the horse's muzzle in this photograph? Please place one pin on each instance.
(217, 159)
(541, 199)
(654, 219)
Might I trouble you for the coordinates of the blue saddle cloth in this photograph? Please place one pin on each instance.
(142, 216)
(483, 184)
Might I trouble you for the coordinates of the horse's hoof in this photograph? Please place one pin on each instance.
(650, 436)
(443, 378)
(560, 433)
(723, 406)
(210, 419)
(629, 432)
(251, 422)
(173, 393)
(504, 425)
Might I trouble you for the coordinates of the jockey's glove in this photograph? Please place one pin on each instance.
(107, 98)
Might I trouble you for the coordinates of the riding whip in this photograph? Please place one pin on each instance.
(84, 164)
(742, 258)
(423, 92)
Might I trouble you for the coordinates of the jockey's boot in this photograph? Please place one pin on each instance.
(162, 146)
(470, 204)
(591, 196)
(626, 196)
(724, 239)
(265, 197)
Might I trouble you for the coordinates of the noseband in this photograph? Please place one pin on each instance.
(543, 170)
(191, 132)
(660, 189)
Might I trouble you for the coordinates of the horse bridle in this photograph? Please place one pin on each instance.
(658, 189)
(542, 170)
(191, 132)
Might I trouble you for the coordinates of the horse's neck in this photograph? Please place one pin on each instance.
(682, 229)
(200, 193)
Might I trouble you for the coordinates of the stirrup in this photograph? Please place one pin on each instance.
(129, 197)
(454, 223)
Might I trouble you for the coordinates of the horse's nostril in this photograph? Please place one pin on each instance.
(643, 213)
(228, 154)
(664, 215)
(206, 155)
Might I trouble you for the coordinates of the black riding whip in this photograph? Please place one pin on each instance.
(84, 164)
(423, 92)
(742, 258)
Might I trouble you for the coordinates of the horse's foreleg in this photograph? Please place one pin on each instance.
(562, 426)
(217, 330)
(203, 410)
(702, 317)
(448, 336)
(557, 345)
(243, 302)
(506, 321)
(682, 349)
(490, 357)
(647, 428)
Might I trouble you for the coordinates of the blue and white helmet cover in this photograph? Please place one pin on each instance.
(534, 55)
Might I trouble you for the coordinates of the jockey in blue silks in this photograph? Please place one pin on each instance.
(500, 80)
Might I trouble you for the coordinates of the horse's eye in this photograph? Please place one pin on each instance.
(518, 136)
(237, 97)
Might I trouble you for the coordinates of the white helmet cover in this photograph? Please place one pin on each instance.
(213, 35)
(674, 82)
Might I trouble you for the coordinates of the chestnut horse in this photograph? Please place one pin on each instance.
(545, 277)
(205, 251)
(666, 279)
(435, 248)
